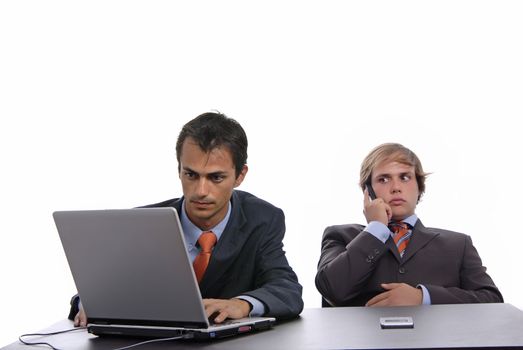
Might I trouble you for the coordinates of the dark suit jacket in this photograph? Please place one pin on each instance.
(354, 263)
(249, 259)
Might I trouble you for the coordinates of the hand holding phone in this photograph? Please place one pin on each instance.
(372, 209)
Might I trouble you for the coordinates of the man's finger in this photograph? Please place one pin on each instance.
(377, 299)
(211, 309)
(221, 317)
(389, 286)
(383, 302)
(80, 320)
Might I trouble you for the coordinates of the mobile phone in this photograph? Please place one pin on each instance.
(370, 190)
(396, 322)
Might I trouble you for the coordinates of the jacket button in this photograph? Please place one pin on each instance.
(402, 270)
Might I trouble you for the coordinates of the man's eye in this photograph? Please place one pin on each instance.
(189, 174)
(217, 178)
(383, 180)
(406, 177)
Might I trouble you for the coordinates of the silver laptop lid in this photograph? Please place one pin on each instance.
(130, 266)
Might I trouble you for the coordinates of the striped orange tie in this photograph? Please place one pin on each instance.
(401, 235)
(207, 240)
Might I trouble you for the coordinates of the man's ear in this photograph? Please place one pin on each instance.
(241, 176)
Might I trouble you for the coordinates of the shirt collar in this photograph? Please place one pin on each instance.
(411, 220)
(192, 232)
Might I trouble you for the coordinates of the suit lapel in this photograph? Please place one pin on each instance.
(421, 236)
(178, 206)
(393, 249)
(228, 246)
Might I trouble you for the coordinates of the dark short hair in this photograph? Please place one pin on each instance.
(392, 152)
(211, 130)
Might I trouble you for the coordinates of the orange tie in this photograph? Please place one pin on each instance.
(206, 241)
(401, 235)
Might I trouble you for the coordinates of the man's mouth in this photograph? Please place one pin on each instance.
(201, 203)
(396, 201)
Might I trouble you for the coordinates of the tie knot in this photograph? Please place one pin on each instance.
(398, 226)
(401, 235)
(206, 241)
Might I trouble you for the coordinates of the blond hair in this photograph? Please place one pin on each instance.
(392, 152)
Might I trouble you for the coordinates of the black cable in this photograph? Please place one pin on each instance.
(80, 328)
(46, 334)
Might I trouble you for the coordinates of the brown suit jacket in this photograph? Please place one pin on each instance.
(354, 263)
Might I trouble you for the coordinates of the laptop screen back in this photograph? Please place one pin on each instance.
(130, 266)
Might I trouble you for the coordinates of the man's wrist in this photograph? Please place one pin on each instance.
(244, 305)
(425, 297)
(257, 307)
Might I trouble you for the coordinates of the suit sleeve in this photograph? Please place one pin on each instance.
(277, 284)
(476, 286)
(348, 259)
(74, 306)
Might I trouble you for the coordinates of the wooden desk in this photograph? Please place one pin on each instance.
(467, 326)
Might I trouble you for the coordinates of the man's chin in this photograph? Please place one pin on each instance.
(201, 213)
(400, 215)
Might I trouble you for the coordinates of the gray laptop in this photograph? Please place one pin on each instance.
(134, 276)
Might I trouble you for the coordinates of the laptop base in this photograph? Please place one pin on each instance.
(166, 332)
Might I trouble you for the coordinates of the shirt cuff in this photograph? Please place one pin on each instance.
(378, 230)
(426, 296)
(258, 308)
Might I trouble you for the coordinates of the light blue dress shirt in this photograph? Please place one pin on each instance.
(382, 232)
(191, 234)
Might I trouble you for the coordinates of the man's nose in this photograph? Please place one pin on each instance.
(395, 185)
(203, 187)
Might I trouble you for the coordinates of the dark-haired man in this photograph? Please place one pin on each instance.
(248, 273)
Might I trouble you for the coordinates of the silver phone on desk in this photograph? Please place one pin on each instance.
(396, 322)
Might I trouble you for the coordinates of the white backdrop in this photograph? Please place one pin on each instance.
(94, 93)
